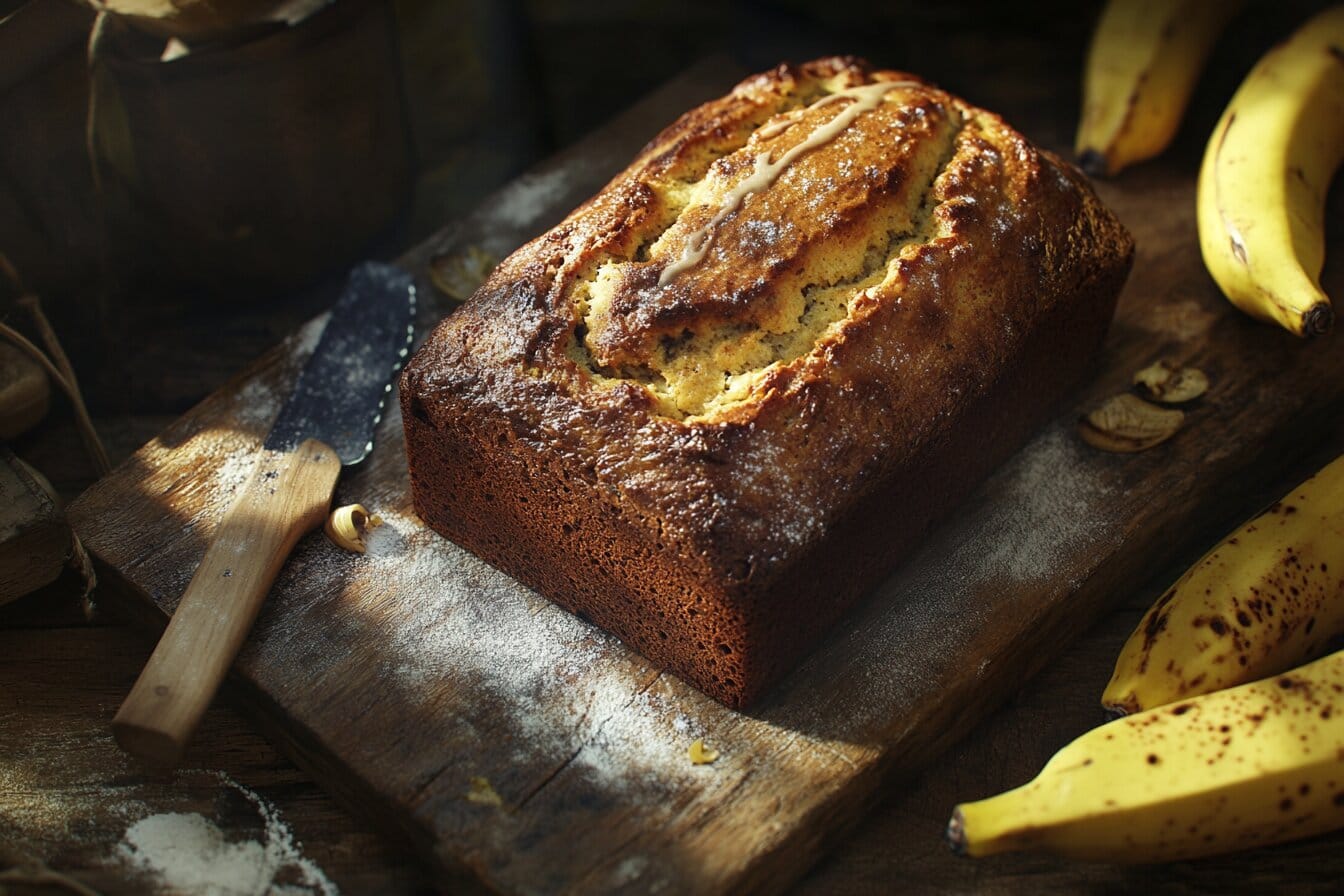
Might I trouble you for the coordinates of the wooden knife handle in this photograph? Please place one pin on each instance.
(288, 495)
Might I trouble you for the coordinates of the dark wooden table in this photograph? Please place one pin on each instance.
(67, 795)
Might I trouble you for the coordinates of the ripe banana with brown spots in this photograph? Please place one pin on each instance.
(1256, 764)
(1268, 597)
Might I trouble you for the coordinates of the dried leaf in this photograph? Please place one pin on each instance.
(1127, 424)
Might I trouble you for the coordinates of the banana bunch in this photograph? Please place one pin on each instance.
(1269, 596)
(1145, 58)
(1253, 765)
(1262, 184)
(1217, 755)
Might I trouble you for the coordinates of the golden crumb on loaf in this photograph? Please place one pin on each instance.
(710, 421)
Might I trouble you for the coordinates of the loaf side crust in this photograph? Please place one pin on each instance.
(714, 467)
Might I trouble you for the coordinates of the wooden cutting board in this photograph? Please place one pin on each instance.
(509, 740)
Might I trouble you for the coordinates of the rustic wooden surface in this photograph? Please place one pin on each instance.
(67, 795)
(287, 496)
(583, 741)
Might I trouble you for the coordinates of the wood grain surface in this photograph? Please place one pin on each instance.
(399, 677)
(35, 541)
(287, 496)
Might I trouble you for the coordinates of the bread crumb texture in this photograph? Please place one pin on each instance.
(785, 263)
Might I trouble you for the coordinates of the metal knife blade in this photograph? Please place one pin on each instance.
(341, 391)
(327, 421)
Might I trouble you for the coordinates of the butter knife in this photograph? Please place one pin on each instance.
(326, 423)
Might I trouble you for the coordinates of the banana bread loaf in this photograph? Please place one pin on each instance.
(728, 393)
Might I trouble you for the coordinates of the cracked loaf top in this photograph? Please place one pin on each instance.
(784, 297)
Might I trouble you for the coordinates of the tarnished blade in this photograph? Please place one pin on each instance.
(341, 390)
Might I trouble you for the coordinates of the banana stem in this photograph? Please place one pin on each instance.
(1318, 320)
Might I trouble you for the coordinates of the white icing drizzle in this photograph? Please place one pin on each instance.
(766, 170)
(774, 130)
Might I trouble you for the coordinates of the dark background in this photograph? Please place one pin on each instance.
(488, 88)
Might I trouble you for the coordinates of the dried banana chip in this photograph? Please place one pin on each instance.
(1170, 384)
(1126, 424)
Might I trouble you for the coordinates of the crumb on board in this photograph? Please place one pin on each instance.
(701, 754)
(481, 793)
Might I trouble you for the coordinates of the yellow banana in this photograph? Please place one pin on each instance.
(1262, 184)
(1266, 598)
(1253, 765)
(1142, 66)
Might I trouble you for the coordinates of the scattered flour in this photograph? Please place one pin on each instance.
(562, 682)
(305, 339)
(256, 404)
(233, 470)
(42, 799)
(1050, 511)
(188, 853)
(1043, 513)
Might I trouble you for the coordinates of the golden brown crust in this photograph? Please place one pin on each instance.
(670, 458)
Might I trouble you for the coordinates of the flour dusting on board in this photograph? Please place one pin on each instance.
(45, 800)
(232, 471)
(257, 403)
(540, 667)
(1043, 514)
(188, 853)
(1052, 512)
